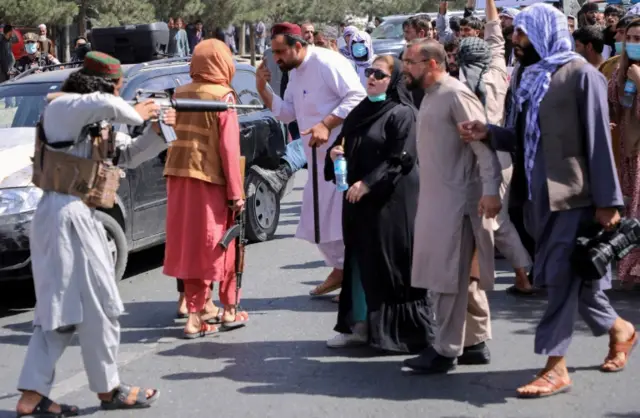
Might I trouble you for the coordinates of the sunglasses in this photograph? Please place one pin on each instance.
(377, 73)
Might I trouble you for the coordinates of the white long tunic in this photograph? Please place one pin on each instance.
(325, 83)
(68, 244)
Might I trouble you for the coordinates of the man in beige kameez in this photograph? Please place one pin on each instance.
(459, 193)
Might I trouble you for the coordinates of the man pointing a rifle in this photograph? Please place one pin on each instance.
(205, 192)
(323, 88)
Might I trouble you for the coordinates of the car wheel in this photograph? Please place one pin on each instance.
(263, 209)
(116, 241)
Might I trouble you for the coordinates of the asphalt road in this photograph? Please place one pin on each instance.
(279, 366)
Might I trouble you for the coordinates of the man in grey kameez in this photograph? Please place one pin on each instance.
(565, 174)
(459, 193)
(73, 270)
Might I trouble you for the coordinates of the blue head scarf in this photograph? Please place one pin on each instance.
(361, 40)
(548, 31)
(348, 31)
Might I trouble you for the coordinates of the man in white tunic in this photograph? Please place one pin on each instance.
(73, 270)
(323, 88)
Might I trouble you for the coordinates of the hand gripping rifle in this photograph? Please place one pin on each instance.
(236, 232)
(165, 101)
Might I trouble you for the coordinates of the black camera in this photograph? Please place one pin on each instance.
(596, 248)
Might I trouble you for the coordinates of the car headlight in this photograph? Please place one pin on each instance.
(19, 200)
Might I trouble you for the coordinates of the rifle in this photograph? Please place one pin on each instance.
(165, 101)
(236, 232)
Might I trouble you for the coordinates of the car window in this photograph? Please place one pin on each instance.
(244, 84)
(161, 83)
(21, 104)
(389, 29)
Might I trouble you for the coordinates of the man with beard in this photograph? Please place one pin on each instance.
(323, 88)
(555, 155)
(506, 21)
(590, 13)
(449, 175)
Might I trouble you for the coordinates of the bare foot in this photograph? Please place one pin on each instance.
(553, 379)
(30, 400)
(547, 383)
(211, 311)
(182, 305)
(332, 282)
(622, 339)
(522, 280)
(194, 324)
(231, 314)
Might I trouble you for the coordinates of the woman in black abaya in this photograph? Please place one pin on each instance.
(378, 306)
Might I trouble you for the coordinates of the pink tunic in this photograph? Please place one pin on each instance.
(198, 214)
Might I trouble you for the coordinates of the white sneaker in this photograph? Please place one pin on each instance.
(358, 338)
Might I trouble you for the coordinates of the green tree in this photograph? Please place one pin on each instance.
(34, 12)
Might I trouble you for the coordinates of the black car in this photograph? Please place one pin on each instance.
(138, 219)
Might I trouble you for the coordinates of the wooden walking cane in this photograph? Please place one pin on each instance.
(316, 212)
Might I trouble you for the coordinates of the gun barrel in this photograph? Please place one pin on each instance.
(196, 105)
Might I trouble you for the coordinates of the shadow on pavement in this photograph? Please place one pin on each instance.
(305, 266)
(297, 367)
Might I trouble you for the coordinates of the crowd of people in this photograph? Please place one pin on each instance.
(467, 142)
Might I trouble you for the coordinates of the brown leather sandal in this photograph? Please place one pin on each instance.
(548, 383)
(613, 358)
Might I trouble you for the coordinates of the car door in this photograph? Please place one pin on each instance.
(148, 185)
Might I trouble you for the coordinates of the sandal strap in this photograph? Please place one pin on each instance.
(44, 405)
(548, 379)
(130, 395)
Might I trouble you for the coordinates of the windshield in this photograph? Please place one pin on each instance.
(21, 104)
(389, 29)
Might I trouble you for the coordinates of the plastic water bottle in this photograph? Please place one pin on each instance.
(630, 91)
(340, 170)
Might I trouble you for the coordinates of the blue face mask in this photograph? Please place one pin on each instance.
(358, 50)
(31, 48)
(633, 51)
(619, 48)
(378, 97)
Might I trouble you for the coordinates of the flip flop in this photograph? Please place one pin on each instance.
(205, 329)
(238, 323)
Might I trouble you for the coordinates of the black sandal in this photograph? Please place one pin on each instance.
(516, 291)
(129, 397)
(42, 410)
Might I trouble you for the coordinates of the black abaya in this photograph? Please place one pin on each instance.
(378, 232)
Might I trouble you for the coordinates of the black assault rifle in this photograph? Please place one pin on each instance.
(165, 101)
(236, 232)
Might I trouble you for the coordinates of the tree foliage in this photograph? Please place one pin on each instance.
(34, 12)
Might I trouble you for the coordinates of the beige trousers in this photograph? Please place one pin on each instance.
(463, 319)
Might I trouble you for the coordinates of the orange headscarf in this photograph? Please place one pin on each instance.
(212, 62)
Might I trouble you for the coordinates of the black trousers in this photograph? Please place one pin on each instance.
(180, 284)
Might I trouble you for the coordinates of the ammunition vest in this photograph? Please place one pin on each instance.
(94, 180)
